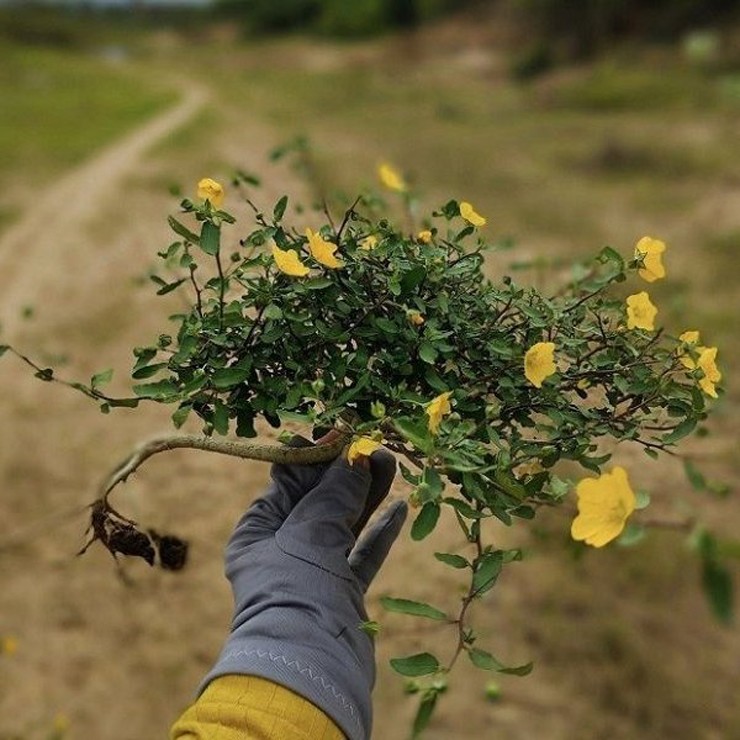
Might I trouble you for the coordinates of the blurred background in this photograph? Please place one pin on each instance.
(568, 124)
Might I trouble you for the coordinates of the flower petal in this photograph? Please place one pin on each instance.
(539, 362)
(322, 250)
(436, 409)
(212, 191)
(604, 505)
(641, 312)
(650, 251)
(288, 262)
(470, 215)
(391, 178)
(362, 446)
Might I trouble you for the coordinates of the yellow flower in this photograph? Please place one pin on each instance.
(362, 446)
(539, 362)
(425, 236)
(369, 242)
(650, 251)
(469, 214)
(692, 338)
(323, 251)
(640, 312)
(707, 364)
(391, 178)
(436, 409)
(211, 190)
(289, 262)
(61, 723)
(415, 318)
(604, 504)
(8, 645)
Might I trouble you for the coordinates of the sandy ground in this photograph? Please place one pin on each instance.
(618, 656)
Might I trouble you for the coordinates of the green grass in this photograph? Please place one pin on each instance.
(60, 106)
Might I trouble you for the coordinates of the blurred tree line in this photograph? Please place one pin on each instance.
(336, 17)
(579, 28)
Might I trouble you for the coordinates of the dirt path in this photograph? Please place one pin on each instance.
(57, 218)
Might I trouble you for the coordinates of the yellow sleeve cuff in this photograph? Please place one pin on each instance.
(236, 707)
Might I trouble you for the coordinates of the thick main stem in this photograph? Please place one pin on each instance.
(247, 450)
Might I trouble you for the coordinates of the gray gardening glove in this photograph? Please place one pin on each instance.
(299, 581)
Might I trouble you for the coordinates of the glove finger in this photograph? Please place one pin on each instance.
(319, 528)
(370, 552)
(265, 516)
(382, 470)
(296, 480)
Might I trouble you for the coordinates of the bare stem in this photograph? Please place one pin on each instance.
(246, 450)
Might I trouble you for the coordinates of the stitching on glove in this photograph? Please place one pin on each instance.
(277, 658)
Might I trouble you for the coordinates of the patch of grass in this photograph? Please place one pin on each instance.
(59, 106)
(612, 86)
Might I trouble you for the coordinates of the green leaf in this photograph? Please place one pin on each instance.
(101, 378)
(273, 312)
(464, 508)
(369, 628)
(415, 432)
(424, 713)
(147, 371)
(682, 430)
(318, 283)
(228, 377)
(161, 390)
(608, 254)
(412, 278)
(414, 608)
(456, 561)
(408, 476)
(484, 660)
(181, 415)
(127, 403)
(421, 664)
(169, 287)
(434, 482)
(210, 238)
(642, 499)
(143, 355)
(717, 583)
(487, 571)
(182, 230)
(279, 210)
(220, 418)
(426, 521)
(696, 479)
(3, 349)
(631, 535)
(427, 353)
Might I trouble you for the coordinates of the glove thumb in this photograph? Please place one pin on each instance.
(371, 550)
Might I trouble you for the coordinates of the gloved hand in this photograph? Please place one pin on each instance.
(299, 579)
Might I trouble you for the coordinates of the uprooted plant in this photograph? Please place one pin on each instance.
(482, 387)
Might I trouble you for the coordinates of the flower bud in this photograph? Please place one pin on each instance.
(318, 386)
(377, 409)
